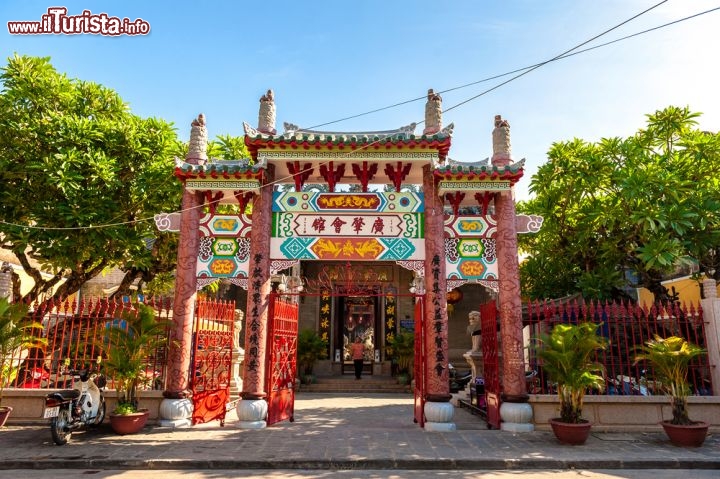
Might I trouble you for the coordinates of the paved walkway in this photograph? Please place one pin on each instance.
(345, 431)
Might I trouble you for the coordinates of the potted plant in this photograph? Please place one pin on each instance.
(403, 352)
(311, 347)
(567, 355)
(127, 345)
(15, 335)
(669, 359)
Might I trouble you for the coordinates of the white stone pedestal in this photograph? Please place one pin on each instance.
(439, 416)
(176, 413)
(516, 417)
(252, 413)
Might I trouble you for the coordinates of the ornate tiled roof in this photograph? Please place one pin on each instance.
(480, 170)
(227, 169)
(295, 137)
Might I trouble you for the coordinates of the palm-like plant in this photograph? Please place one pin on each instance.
(127, 351)
(568, 357)
(670, 358)
(403, 350)
(16, 333)
(310, 348)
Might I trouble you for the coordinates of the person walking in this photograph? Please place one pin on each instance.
(358, 353)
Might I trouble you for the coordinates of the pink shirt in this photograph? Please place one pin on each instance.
(357, 350)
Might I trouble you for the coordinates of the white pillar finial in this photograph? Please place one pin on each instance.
(433, 113)
(266, 117)
(197, 150)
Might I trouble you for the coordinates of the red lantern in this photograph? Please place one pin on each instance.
(454, 296)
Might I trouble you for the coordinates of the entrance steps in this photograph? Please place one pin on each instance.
(348, 384)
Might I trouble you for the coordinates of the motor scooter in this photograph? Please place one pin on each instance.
(71, 409)
(458, 380)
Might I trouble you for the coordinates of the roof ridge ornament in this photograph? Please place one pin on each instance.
(250, 131)
(290, 129)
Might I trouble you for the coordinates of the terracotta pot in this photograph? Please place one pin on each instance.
(4, 414)
(692, 435)
(570, 433)
(129, 423)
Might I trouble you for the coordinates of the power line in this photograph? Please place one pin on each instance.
(563, 56)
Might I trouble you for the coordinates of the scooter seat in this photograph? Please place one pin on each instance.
(69, 393)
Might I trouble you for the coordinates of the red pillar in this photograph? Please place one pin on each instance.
(180, 346)
(514, 388)
(436, 319)
(258, 294)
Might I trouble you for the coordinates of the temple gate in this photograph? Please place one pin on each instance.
(460, 228)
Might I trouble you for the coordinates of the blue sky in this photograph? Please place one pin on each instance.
(327, 60)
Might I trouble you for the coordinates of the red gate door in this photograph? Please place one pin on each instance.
(419, 366)
(281, 369)
(491, 364)
(212, 360)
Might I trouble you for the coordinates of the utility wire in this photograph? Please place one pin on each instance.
(555, 58)
(522, 72)
(530, 67)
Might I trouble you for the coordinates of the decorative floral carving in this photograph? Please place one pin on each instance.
(205, 248)
(451, 249)
(243, 252)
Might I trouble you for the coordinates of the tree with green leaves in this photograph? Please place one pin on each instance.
(638, 207)
(82, 178)
(158, 274)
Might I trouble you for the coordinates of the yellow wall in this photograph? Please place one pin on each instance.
(687, 289)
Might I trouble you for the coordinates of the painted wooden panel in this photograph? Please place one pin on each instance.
(475, 226)
(402, 225)
(347, 248)
(223, 257)
(470, 258)
(225, 225)
(373, 202)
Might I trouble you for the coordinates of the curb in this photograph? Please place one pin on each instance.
(370, 464)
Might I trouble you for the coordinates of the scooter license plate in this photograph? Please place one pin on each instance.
(51, 412)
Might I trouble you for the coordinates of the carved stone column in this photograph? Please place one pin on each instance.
(438, 410)
(252, 407)
(176, 408)
(515, 411)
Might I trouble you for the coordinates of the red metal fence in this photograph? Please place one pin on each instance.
(73, 332)
(627, 326)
